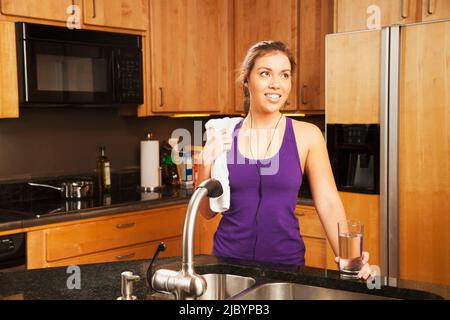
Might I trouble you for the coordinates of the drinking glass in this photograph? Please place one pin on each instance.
(351, 235)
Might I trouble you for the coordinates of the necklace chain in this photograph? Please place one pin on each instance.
(270, 142)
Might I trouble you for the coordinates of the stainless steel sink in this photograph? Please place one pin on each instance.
(223, 286)
(294, 291)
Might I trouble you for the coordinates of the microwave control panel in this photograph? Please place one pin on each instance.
(130, 76)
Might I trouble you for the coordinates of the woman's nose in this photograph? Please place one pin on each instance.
(274, 83)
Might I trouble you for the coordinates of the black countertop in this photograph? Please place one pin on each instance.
(31, 213)
(102, 281)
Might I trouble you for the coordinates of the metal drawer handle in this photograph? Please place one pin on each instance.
(405, 8)
(303, 93)
(125, 225)
(431, 7)
(161, 94)
(125, 256)
(301, 214)
(94, 13)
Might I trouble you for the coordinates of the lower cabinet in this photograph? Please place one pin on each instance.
(121, 237)
(313, 235)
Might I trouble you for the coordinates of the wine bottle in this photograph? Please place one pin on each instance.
(103, 172)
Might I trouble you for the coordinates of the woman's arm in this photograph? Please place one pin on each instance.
(323, 187)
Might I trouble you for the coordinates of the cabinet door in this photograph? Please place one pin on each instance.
(424, 152)
(126, 14)
(316, 21)
(435, 9)
(9, 92)
(353, 77)
(44, 9)
(356, 14)
(264, 20)
(191, 57)
(365, 208)
(313, 236)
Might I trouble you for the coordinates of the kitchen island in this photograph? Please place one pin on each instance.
(102, 281)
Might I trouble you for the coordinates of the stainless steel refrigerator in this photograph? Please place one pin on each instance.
(399, 78)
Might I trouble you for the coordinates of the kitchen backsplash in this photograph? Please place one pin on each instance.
(57, 142)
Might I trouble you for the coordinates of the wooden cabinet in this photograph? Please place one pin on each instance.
(435, 9)
(125, 14)
(55, 10)
(255, 21)
(354, 15)
(346, 75)
(424, 153)
(365, 208)
(191, 55)
(111, 238)
(9, 97)
(313, 235)
(316, 21)
(206, 230)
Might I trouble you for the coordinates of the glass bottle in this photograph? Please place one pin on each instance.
(103, 172)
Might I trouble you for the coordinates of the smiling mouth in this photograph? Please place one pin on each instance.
(273, 96)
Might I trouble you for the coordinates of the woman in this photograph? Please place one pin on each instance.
(266, 158)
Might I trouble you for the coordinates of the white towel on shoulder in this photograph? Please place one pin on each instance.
(219, 169)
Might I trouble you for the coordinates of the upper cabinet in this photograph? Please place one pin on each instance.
(435, 9)
(45, 9)
(9, 96)
(191, 57)
(352, 15)
(364, 14)
(316, 21)
(255, 21)
(125, 14)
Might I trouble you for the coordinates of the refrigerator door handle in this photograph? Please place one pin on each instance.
(431, 6)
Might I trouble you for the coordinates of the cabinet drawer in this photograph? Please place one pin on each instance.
(316, 252)
(310, 225)
(137, 252)
(85, 238)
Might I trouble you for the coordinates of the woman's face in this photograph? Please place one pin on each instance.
(270, 82)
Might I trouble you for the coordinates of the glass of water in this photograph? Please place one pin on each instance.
(351, 235)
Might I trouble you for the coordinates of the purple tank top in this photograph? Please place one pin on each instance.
(261, 224)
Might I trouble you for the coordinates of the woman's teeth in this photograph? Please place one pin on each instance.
(273, 97)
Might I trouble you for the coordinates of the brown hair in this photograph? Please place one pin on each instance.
(257, 50)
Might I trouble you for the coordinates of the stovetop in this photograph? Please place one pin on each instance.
(32, 209)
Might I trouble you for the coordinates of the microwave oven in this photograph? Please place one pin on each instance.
(59, 66)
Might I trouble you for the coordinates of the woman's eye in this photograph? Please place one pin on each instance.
(264, 73)
(285, 75)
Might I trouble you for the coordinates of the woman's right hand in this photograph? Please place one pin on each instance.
(218, 142)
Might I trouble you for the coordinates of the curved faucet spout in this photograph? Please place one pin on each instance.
(186, 284)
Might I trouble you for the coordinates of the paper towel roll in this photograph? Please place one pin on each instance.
(150, 164)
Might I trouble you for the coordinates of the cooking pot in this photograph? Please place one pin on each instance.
(71, 190)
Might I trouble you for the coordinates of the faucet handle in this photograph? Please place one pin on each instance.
(127, 279)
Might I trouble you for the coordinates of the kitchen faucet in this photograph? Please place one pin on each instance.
(186, 284)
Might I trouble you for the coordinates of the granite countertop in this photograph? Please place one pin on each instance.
(31, 213)
(102, 281)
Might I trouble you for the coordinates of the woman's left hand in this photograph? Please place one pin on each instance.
(365, 271)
